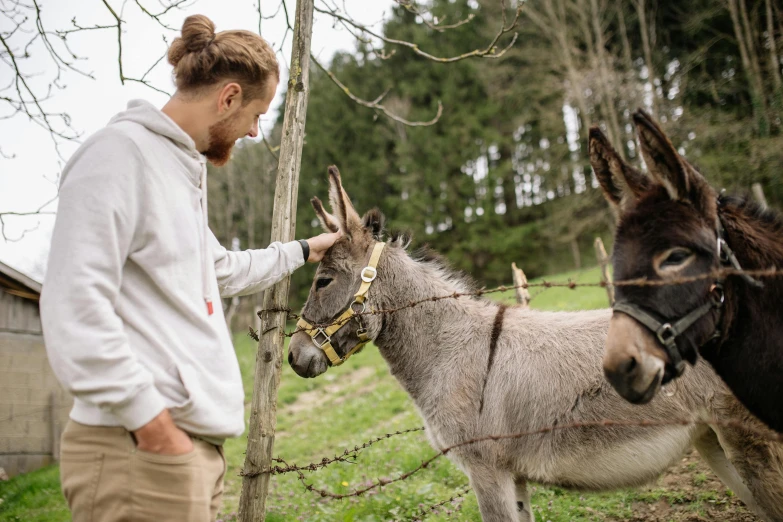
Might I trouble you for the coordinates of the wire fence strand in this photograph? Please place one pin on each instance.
(350, 454)
(543, 285)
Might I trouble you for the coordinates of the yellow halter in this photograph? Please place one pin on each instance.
(322, 337)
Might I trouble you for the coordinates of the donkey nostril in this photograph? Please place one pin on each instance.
(290, 358)
(629, 366)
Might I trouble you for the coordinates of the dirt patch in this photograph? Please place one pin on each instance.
(309, 400)
(690, 492)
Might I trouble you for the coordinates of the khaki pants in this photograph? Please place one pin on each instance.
(106, 479)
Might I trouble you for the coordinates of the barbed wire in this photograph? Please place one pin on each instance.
(761, 433)
(424, 511)
(349, 456)
(544, 285)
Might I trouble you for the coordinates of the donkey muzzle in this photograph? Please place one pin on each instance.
(633, 362)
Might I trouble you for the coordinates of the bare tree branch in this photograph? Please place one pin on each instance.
(16, 239)
(260, 16)
(38, 212)
(157, 17)
(379, 52)
(272, 150)
(44, 35)
(490, 51)
(118, 25)
(375, 104)
(25, 32)
(437, 25)
(27, 97)
(352, 26)
(3, 232)
(269, 17)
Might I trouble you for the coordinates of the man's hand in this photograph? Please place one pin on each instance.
(320, 244)
(162, 436)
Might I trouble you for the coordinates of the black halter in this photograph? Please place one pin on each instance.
(667, 332)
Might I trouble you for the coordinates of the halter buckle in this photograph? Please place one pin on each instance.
(362, 331)
(666, 334)
(320, 331)
(369, 274)
(363, 307)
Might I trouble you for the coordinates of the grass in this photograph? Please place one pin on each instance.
(349, 405)
(33, 497)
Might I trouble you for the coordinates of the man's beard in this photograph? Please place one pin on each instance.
(220, 142)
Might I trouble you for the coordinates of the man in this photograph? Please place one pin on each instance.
(132, 320)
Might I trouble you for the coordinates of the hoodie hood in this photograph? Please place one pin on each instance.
(143, 113)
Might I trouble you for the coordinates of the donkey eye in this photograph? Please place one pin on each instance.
(322, 282)
(676, 257)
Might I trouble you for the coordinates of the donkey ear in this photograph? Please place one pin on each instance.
(620, 182)
(328, 222)
(681, 180)
(374, 221)
(347, 218)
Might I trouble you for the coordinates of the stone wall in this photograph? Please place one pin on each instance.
(33, 406)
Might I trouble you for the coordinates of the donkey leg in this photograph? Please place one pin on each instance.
(760, 465)
(758, 461)
(524, 507)
(711, 451)
(495, 492)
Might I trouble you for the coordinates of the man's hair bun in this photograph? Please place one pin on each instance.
(198, 32)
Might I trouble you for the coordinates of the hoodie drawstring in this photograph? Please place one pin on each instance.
(205, 250)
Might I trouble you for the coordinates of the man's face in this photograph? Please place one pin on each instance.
(243, 122)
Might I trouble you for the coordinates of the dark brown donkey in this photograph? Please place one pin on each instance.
(673, 225)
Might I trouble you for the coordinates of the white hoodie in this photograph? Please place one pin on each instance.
(125, 321)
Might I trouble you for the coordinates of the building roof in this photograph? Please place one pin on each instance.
(16, 283)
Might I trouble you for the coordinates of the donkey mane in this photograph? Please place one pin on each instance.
(770, 219)
(400, 238)
(426, 256)
(430, 258)
(758, 227)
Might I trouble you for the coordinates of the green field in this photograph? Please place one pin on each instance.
(360, 400)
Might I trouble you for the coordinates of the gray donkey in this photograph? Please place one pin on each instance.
(475, 368)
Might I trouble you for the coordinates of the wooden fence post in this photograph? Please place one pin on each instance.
(523, 296)
(603, 261)
(269, 358)
(758, 193)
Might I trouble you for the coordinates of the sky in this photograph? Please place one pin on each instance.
(28, 179)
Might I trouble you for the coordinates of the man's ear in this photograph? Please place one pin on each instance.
(229, 98)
